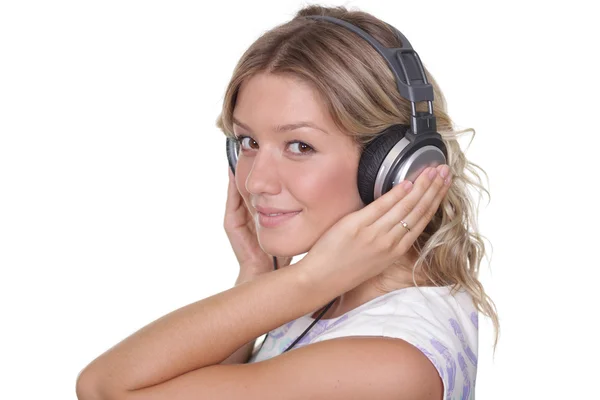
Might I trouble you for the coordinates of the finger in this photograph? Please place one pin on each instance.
(402, 206)
(233, 195)
(422, 214)
(376, 211)
(422, 211)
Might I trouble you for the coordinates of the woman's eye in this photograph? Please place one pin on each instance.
(241, 140)
(302, 148)
(297, 147)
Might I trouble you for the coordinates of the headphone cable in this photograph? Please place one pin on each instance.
(324, 310)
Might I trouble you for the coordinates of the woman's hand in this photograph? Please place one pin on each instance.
(364, 243)
(241, 232)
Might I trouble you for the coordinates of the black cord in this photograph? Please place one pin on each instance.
(275, 267)
(311, 325)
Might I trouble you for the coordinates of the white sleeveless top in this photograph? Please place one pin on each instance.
(443, 326)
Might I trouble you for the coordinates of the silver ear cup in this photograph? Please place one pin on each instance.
(409, 169)
(428, 156)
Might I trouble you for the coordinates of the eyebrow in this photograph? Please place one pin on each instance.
(284, 128)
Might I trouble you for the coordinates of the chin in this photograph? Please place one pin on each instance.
(283, 246)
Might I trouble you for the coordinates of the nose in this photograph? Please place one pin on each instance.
(263, 177)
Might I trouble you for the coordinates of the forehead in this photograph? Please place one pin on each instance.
(275, 99)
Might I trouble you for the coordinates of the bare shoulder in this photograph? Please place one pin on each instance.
(358, 367)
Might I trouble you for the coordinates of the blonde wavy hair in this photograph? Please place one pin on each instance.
(360, 92)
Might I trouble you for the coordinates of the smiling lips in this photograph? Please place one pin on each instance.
(273, 210)
(276, 219)
(270, 217)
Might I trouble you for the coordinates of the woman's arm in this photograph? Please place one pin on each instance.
(242, 355)
(360, 246)
(206, 332)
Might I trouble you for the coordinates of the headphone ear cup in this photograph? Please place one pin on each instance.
(232, 154)
(372, 158)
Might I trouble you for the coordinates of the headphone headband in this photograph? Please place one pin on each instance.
(408, 71)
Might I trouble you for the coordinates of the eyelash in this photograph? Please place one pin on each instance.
(239, 139)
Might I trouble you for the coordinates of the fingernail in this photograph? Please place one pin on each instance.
(444, 171)
(407, 185)
(432, 173)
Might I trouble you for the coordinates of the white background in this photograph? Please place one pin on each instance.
(113, 175)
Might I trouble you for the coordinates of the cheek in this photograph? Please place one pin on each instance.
(331, 191)
(240, 179)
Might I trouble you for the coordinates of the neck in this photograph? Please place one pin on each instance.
(395, 277)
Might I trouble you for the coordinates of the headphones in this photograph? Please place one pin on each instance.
(400, 152)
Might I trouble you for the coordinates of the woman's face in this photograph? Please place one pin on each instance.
(309, 171)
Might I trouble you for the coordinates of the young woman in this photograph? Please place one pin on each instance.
(398, 270)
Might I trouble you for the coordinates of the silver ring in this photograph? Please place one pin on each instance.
(404, 224)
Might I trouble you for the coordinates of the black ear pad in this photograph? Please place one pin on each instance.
(232, 153)
(372, 158)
